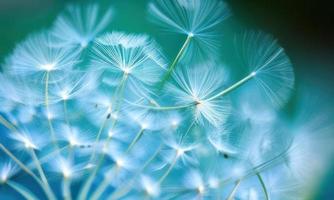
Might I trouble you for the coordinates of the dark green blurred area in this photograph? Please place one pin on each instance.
(305, 30)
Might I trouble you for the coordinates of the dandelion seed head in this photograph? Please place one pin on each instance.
(213, 182)
(73, 141)
(174, 122)
(28, 143)
(127, 70)
(150, 187)
(269, 65)
(48, 67)
(83, 44)
(66, 172)
(130, 57)
(195, 85)
(120, 162)
(144, 125)
(201, 189)
(196, 19)
(180, 152)
(37, 55)
(49, 115)
(188, 16)
(64, 95)
(79, 25)
(7, 169)
(111, 133)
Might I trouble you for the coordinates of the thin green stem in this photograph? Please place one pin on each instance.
(87, 184)
(25, 192)
(18, 162)
(25, 169)
(162, 107)
(187, 132)
(46, 99)
(47, 157)
(97, 139)
(101, 188)
(171, 166)
(7, 124)
(135, 140)
(66, 114)
(259, 168)
(86, 187)
(263, 185)
(67, 189)
(42, 174)
(126, 187)
(232, 87)
(234, 190)
(222, 93)
(176, 60)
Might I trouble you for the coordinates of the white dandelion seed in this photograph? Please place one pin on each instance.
(7, 170)
(198, 19)
(196, 86)
(134, 58)
(77, 26)
(76, 84)
(222, 140)
(26, 141)
(268, 64)
(37, 56)
(150, 186)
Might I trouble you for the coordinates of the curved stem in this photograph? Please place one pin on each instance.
(171, 166)
(233, 87)
(263, 185)
(7, 124)
(234, 190)
(222, 93)
(186, 133)
(46, 99)
(87, 184)
(135, 140)
(18, 162)
(46, 157)
(259, 168)
(42, 174)
(86, 187)
(25, 192)
(101, 188)
(67, 189)
(65, 114)
(97, 139)
(25, 169)
(66, 186)
(126, 187)
(162, 107)
(176, 60)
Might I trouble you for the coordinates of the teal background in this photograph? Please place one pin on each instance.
(303, 28)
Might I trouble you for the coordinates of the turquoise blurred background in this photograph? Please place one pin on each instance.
(305, 30)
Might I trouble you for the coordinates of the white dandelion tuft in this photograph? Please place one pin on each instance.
(78, 26)
(195, 86)
(268, 63)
